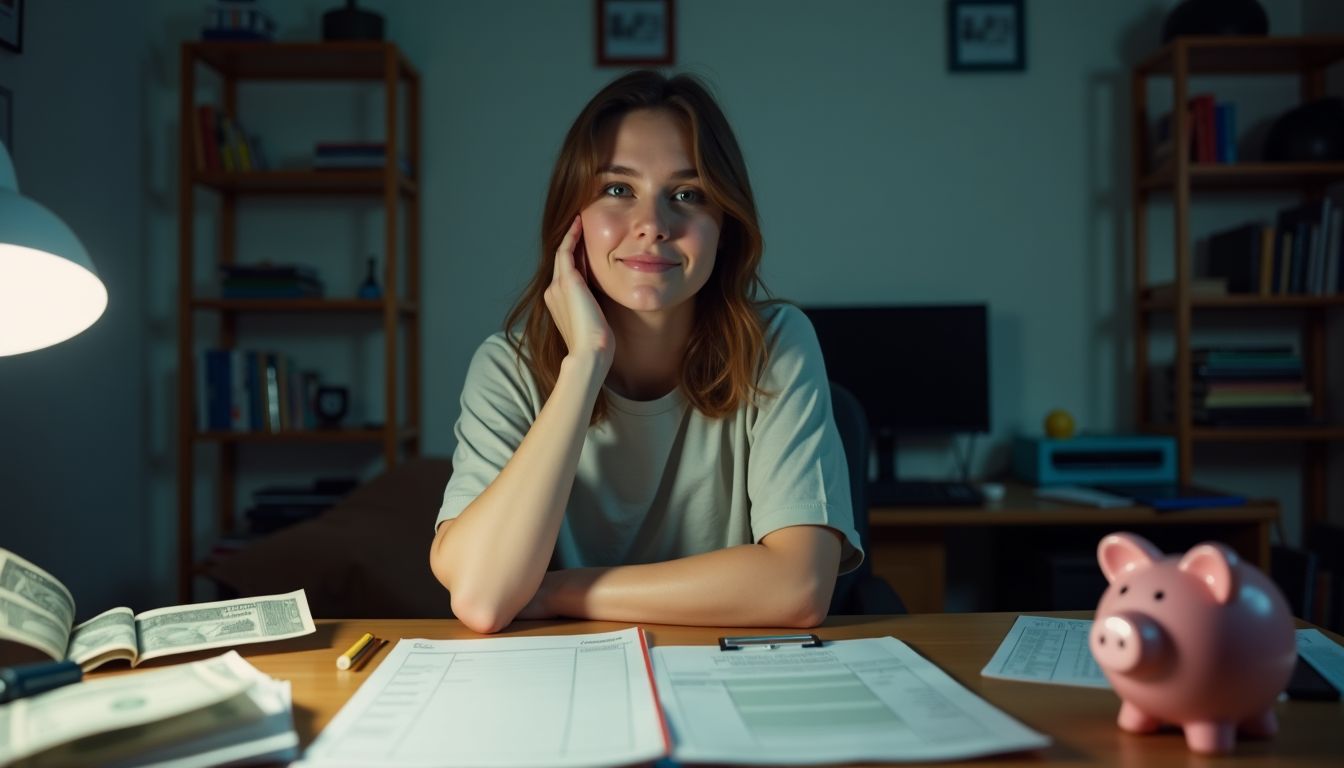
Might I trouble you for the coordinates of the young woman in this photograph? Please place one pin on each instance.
(646, 442)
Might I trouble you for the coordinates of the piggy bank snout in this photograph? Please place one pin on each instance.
(1128, 642)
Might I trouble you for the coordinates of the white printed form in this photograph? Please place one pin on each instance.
(1043, 650)
(526, 701)
(850, 700)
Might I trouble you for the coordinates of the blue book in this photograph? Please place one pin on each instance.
(1225, 129)
(218, 390)
(1168, 498)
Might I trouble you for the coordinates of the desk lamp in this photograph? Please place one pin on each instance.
(49, 290)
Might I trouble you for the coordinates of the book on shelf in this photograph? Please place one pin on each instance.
(237, 20)
(1211, 132)
(1234, 255)
(245, 390)
(222, 144)
(37, 613)
(354, 155)
(1241, 386)
(266, 281)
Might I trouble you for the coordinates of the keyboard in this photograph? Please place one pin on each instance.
(923, 493)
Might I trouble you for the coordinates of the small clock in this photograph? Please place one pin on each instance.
(331, 406)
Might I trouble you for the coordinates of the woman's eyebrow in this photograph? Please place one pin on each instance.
(621, 170)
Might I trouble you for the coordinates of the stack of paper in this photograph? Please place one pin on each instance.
(213, 712)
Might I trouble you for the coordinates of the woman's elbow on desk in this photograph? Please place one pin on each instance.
(477, 612)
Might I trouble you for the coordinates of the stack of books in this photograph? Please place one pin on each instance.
(353, 155)
(1249, 386)
(269, 281)
(1301, 254)
(275, 507)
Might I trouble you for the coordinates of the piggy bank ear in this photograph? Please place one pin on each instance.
(1120, 554)
(1215, 567)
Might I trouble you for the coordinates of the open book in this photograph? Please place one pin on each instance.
(37, 610)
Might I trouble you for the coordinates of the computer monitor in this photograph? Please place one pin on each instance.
(917, 369)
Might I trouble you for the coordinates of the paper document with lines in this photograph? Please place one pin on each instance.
(512, 701)
(1040, 649)
(850, 700)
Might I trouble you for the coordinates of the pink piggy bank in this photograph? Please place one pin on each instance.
(1203, 641)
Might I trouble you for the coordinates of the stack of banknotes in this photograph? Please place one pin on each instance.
(213, 712)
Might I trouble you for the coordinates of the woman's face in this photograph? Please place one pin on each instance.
(651, 233)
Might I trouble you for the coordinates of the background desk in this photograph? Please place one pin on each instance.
(910, 544)
(1080, 721)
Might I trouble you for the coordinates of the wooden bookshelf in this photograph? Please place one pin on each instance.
(1177, 182)
(394, 187)
(301, 182)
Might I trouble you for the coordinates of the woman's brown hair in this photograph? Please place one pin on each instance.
(726, 350)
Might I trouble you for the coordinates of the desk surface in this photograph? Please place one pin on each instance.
(1021, 506)
(1080, 721)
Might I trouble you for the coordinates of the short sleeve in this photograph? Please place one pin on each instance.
(797, 474)
(500, 400)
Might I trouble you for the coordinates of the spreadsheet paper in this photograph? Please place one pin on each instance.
(873, 699)
(527, 701)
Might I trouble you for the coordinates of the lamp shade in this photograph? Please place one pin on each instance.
(49, 290)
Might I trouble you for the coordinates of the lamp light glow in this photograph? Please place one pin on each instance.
(49, 290)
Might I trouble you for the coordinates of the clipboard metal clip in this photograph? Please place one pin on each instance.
(769, 642)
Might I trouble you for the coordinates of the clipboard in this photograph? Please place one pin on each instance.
(769, 642)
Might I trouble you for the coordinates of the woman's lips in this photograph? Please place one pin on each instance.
(641, 264)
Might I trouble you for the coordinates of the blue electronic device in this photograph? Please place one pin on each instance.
(1096, 460)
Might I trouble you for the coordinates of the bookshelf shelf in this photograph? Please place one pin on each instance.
(1176, 183)
(1268, 434)
(1238, 176)
(1244, 55)
(1243, 301)
(362, 182)
(391, 186)
(353, 60)
(404, 435)
(403, 307)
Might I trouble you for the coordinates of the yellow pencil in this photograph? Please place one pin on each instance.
(343, 661)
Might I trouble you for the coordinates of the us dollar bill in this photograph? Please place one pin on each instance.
(184, 628)
(162, 705)
(39, 587)
(109, 635)
(23, 621)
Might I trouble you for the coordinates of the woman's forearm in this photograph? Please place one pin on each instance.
(493, 555)
(787, 583)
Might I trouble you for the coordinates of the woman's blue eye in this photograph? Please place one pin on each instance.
(694, 196)
(616, 190)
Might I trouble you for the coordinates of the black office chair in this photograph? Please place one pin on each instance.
(860, 591)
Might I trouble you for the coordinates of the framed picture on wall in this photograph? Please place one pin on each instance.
(11, 25)
(635, 33)
(986, 36)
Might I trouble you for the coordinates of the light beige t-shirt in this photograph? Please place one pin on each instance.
(657, 480)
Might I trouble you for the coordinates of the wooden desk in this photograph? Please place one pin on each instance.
(910, 544)
(1080, 721)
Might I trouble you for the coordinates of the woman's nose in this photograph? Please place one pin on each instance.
(653, 220)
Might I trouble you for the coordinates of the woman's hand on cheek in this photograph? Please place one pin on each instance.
(573, 306)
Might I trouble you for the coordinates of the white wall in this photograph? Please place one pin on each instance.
(880, 176)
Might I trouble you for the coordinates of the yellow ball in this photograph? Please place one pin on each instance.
(1059, 424)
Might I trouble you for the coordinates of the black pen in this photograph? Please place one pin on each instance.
(29, 679)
